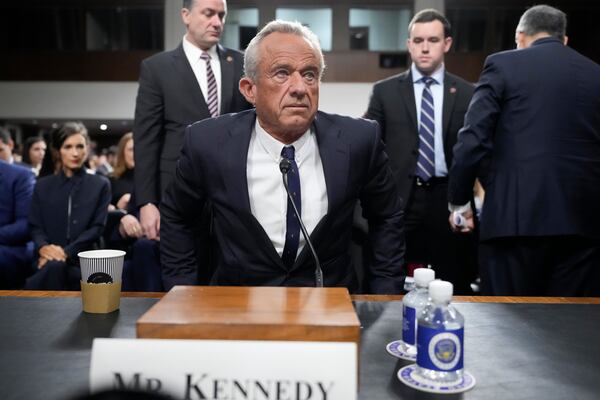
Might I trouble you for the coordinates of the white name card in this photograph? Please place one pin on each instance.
(227, 369)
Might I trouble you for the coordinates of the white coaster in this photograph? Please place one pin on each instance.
(408, 376)
(396, 348)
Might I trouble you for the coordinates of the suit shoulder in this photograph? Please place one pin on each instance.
(97, 179)
(460, 81)
(231, 52)
(392, 80)
(210, 129)
(345, 121)
(159, 58)
(16, 170)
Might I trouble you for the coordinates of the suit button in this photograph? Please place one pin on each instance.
(410, 176)
(74, 222)
(415, 152)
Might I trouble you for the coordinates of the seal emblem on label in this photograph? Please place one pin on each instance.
(444, 350)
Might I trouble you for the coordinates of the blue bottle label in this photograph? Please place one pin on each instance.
(409, 325)
(439, 349)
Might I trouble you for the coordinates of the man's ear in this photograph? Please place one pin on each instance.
(185, 13)
(247, 89)
(566, 40)
(447, 44)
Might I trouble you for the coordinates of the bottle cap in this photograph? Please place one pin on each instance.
(423, 276)
(440, 291)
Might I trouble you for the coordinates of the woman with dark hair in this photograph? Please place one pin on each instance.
(33, 153)
(68, 211)
(122, 177)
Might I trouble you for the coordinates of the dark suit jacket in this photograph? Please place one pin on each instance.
(536, 112)
(169, 98)
(392, 104)
(212, 167)
(16, 188)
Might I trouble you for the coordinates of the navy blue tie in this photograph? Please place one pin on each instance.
(426, 160)
(292, 226)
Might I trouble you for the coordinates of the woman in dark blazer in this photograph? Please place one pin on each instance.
(121, 180)
(68, 211)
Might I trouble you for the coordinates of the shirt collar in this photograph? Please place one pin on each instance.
(273, 146)
(193, 52)
(438, 75)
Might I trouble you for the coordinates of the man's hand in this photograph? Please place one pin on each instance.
(129, 226)
(462, 222)
(150, 221)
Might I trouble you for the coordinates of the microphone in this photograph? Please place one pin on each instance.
(284, 167)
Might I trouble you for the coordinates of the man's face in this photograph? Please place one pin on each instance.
(204, 22)
(286, 91)
(427, 45)
(5, 151)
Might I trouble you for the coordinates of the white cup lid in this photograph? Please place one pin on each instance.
(440, 291)
(423, 276)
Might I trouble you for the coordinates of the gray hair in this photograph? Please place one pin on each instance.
(543, 18)
(251, 56)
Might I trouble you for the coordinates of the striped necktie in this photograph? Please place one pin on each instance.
(426, 159)
(212, 100)
(292, 226)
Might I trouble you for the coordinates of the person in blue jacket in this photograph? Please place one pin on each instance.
(68, 211)
(16, 188)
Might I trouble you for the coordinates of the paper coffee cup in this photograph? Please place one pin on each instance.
(101, 272)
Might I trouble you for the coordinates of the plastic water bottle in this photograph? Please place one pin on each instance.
(412, 304)
(440, 337)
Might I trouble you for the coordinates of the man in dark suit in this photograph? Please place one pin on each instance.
(16, 249)
(420, 122)
(234, 162)
(197, 80)
(535, 116)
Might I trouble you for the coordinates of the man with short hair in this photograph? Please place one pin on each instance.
(333, 162)
(535, 117)
(197, 80)
(420, 112)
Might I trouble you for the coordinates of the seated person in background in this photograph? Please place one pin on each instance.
(33, 153)
(121, 182)
(68, 211)
(16, 188)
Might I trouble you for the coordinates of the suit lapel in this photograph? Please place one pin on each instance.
(448, 106)
(237, 181)
(237, 156)
(407, 92)
(227, 81)
(335, 158)
(334, 153)
(184, 70)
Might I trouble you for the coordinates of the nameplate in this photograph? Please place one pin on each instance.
(227, 369)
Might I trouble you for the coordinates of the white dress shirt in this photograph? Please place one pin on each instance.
(268, 199)
(198, 65)
(437, 90)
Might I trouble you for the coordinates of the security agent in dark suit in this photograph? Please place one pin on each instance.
(174, 91)
(420, 122)
(535, 115)
(234, 162)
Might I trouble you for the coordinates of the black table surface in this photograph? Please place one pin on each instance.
(515, 351)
